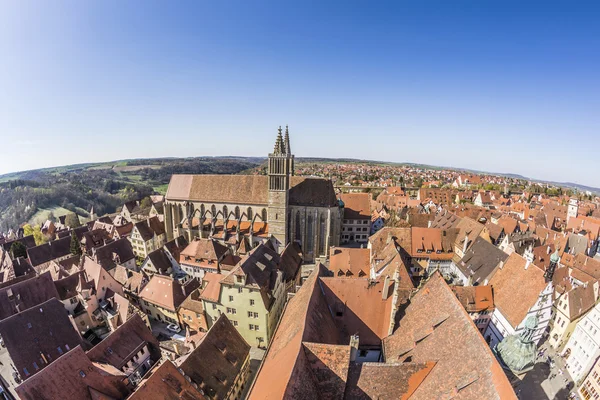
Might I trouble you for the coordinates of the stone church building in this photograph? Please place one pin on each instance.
(242, 211)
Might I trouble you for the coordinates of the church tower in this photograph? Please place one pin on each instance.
(280, 168)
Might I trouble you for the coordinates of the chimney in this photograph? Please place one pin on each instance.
(385, 290)
(501, 265)
(353, 347)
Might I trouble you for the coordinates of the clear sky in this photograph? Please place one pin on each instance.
(499, 86)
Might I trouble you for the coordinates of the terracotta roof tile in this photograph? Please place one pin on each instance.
(515, 278)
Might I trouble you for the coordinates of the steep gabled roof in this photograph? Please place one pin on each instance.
(120, 346)
(345, 261)
(305, 318)
(40, 330)
(248, 189)
(52, 250)
(167, 292)
(480, 261)
(437, 328)
(165, 382)
(217, 360)
(74, 376)
(517, 287)
(25, 294)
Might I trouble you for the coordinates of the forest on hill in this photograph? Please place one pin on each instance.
(33, 196)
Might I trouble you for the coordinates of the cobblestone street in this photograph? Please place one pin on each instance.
(545, 381)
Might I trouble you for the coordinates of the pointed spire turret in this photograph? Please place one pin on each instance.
(288, 149)
(279, 146)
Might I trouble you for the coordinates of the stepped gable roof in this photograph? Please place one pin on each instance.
(356, 205)
(119, 347)
(351, 262)
(20, 296)
(47, 252)
(248, 189)
(481, 260)
(122, 248)
(437, 328)
(372, 380)
(74, 376)
(40, 330)
(306, 318)
(475, 298)
(516, 277)
(167, 383)
(359, 307)
(217, 360)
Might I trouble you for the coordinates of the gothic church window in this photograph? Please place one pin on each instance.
(249, 214)
(298, 235)
(264, 215)
(237, 212)
(310, 236)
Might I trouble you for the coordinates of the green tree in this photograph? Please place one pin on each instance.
(75, 245)
(38, 236)
(27, 230)
(72, 221)
(18, 249)
(146, 202)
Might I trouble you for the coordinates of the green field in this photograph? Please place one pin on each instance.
(42, 214)
(162, 189)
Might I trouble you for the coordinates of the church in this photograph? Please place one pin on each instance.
(242, 211)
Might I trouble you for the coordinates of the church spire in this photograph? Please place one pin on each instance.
(288, 149)
(279, 146)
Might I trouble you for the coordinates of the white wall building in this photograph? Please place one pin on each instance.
(583, 348)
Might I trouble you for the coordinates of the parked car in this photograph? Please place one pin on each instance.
(174, 328)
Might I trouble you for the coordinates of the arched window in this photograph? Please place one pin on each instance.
(225, 214)
(289, 226)
(264, 215)
(237, 212)
(249, 214)
(322, 234)
(202, 209)
(213, 211)
(310, 235)
(298, 233)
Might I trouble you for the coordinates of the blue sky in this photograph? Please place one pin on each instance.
(491, 85)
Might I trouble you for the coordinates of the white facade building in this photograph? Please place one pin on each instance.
(583, 348)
